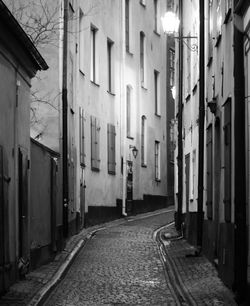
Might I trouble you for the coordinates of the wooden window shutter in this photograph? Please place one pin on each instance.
(93, 141)
(82, 136)
(111, 149)
(97, 143)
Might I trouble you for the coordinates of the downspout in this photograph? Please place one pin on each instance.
(201, 130)
(180, 149)
(123, 110)
(240, 226)
(65, 121)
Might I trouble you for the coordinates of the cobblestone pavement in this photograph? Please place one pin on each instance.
(123, 265)
(118, 266)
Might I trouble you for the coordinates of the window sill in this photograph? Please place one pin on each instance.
(187, 97)
(111, 93)
(158, 180)
(130, 137)
(143, 4)
(144, 165)
(218, 40)
(194, 89)
(94, 83)
(210, 60)
(157, 33)
(158, 115)
(95, 169)
(111, 172)
(143, 87)
(129, 53)
(81, 72)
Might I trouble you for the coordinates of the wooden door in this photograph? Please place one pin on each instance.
(23, 210)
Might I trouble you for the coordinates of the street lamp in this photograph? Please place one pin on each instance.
(134, 150)
(170, 24)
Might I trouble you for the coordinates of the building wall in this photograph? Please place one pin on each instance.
(14, 135)
(103, 189)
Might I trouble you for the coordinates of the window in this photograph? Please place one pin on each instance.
(110, 64)
(157, 161)
(228, 7)
(227, 160)
(93, 72)
(209, 173)
(142, 58)
(171, 67)
(219, 20)
(188, 67)
(156, 93)
(156, 18)
(111, 149)
(210, 30)
(95, 144)
(127, 27)
(129, 90)
(82, 136)
(143, 141)
(81, 41)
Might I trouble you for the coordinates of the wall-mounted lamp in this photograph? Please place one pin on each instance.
(134, 150)
(170, 24)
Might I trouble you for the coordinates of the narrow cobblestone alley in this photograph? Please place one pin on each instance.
(118, 266)
(121, 265)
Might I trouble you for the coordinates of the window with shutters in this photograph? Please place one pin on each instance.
(82, 136)
(127, 27)
(209, 147)
(111, 149)
(227, 160)
(143, 142)
(95, 144)
(157, 161)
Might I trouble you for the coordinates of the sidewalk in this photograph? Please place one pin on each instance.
(194, 279)
(41, 281)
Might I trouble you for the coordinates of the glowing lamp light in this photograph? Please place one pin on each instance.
(170, 23)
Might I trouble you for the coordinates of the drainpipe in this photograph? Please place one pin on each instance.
(180, 149)
(123, 111)
(201, 130)
(65, 121)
